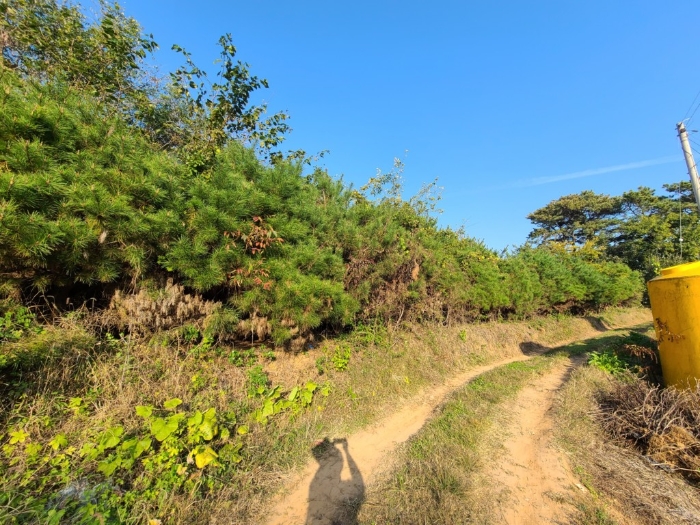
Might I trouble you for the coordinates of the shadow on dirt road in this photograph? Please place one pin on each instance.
(332, 499)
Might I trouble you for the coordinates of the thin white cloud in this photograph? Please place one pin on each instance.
(591, 172)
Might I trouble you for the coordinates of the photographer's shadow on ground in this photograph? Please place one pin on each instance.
(332, 499)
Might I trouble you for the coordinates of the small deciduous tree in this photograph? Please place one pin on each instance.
(186, 113)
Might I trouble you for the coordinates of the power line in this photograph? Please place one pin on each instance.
(691, 105)
(690, 119)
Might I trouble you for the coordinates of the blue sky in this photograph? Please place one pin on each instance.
(510, 104)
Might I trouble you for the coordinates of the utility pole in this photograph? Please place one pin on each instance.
(690, 162)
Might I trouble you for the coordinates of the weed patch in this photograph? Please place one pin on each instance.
(621, 485)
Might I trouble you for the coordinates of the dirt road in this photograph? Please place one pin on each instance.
(531, 479)
(327, 486)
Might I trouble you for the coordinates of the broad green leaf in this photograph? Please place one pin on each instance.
(268, 408)
(311, 386)
(225, 433)
(162, 428)
(32, 449)
(54, 516)
(177, 416)
(195, 420)
(230, 453)
(129, 444)
(205, 456)
(142, 446)
(108, 466)
(89, 451)
(210, 415)
(110, 438)
(293, 394)
(172, 404)
(59, 441)
(307, 396)
(242, 430)
(275, 392)
(18, 436)
(144, 411)
(208, 430)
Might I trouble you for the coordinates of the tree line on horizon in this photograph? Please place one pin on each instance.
(639, 228)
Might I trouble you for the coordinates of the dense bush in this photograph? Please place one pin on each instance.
(92, 192)
(85, 198)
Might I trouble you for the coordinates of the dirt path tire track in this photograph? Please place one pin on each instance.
(368, 448)
(532, 480)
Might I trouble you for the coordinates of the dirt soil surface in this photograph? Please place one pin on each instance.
(529, 479)
(532, 479)
(335, 480)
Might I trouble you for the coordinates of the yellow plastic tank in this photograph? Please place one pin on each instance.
(675, 305)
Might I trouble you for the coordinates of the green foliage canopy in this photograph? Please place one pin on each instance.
(185, 113)
(640, 228)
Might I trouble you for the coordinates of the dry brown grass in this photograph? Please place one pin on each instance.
(621, 484)
(662, 423)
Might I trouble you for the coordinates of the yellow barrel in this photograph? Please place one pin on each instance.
(675, 305)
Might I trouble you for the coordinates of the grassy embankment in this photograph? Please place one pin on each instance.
(439, 476)
(73, 399)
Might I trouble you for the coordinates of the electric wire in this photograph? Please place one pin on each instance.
(690, 119)
(691, 105)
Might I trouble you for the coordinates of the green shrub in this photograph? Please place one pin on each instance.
(16, 322)
(88, 196)
(608, 361)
